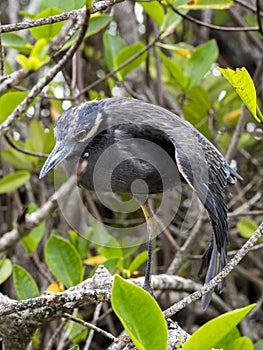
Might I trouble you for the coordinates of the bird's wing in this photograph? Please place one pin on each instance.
(206, 171)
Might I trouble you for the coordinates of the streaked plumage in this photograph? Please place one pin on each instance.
(128, 125)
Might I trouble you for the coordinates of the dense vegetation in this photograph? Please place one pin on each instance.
(56, 53)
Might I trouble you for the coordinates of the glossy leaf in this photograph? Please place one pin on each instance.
(154, 10)
(243, 343)
(64, 261)
(9, 101)
(211, 333)
(140, 315)
(24, 283)
(112, 46)
(200, 62)
(17, 42)
(246, 227)
(13, 181)
(47, 31)
(5, 269)
(97, 22)
(244, 86)
(125, 54)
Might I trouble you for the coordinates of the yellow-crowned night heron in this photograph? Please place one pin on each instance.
(130, 128)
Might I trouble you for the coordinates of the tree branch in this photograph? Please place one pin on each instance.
(19, 110)
(217, 279)
(29, 221)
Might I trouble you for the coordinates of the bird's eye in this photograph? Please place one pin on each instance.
(80, 135)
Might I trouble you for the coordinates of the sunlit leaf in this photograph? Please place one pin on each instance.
(242, 82)
(47, 31)
(212, 332)
(9, 101)
(5, 269)
(13, 181)
(154, 10)
(246, 227)
(140, 315)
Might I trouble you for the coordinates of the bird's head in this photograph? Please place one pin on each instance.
(73, 129)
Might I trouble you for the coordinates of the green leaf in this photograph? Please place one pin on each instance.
(140, 315)
(154, 10)
(13, 181)
(37, 135)
(24, 283)
(259, 345)
(211, 333)
(28, 63)
(200, 62)
(8, 102)
(64, 261)
(63, 5)
(112, 46)
(17, 42)
(31, 241)
(171, 21)
(244, 86)
(17, 159)
(175, 70)
(243, 343)
(125, 54)
(109, 246)
(39, 51)
(196, 109)
(246, 227)
(96, 23)
(5, 269)
(207, 4)
(47, 31)
(138, 261)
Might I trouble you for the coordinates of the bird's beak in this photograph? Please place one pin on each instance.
(58, 154)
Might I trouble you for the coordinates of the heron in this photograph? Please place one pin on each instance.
(135, 131)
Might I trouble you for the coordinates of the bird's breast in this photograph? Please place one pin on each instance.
(128, 163)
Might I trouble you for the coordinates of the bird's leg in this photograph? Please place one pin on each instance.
(152, 231)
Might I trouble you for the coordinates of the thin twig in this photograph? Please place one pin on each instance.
(236, 136)
(259, 17)
(22, 150)
(91, 326)
(218, 278)
(213, 26)
(46, 79)
(124, 64)
(248, 6)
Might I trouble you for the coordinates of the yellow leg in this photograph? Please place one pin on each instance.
(152, 231)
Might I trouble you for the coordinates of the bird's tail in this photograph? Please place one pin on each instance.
(215, 204)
